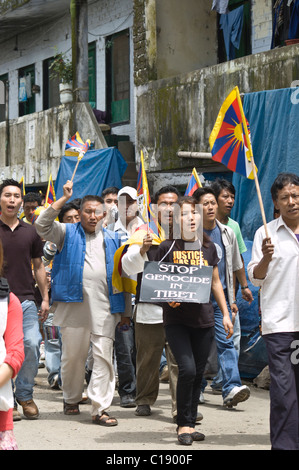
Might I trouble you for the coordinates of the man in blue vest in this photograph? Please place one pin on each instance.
(86, 309)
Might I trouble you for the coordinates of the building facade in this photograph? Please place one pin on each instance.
(158, 72)
(183, 75)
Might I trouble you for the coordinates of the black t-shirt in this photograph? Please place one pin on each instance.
(181, 252)
(20, 247)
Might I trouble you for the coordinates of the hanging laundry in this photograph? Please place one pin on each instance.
(277, 23)
(294, 22)
(232, 24)
(28, 85)
(221, 6)
(22, 90)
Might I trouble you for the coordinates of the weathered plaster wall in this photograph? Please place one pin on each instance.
(186, 36)
(144, 39)
(179, 113)
(36, 142)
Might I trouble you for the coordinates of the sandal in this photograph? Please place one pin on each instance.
(103, 420)
(70, 409)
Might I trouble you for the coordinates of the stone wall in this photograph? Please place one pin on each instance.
(178, 114)
(33, 145)
(144, 38)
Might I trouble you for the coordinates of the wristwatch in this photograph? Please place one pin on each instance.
(244, 287)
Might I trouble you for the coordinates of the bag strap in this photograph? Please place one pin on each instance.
(4, 289)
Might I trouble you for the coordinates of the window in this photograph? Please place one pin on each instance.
(285, 23)
(4, 80)
(50, 87)
(245, 43)
(118, 77)
(26, 97)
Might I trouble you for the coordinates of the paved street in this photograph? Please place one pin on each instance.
(243, 428)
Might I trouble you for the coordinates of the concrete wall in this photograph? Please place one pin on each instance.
(186, 36)
(35, 143)
(179, 113)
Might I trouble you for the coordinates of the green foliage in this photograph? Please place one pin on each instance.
(61, 68)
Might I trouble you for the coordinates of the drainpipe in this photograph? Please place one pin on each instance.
(7, 156)
(79, 18)
(201, 155)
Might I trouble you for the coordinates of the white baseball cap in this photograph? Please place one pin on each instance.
(128, 190)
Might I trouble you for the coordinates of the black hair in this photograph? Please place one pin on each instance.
(10, 182)
(221, 184)
(67, 207)
(192, 201)
(282, 180)
(166, 189)
(90, 197)
(32, 197)
(202, 191)
(76, 202)
(111, 190)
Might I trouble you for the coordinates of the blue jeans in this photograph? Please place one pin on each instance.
(218, 381)
(163, 361)
(125, 353)
(227, 355)
(52, 348)
(24, 382)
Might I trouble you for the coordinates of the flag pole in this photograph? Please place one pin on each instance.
(145, 194)
(259, 195)
(78, 161)
(251, 159)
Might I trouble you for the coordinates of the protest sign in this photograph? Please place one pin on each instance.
(169, 282)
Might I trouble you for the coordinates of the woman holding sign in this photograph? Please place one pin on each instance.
(189, 326)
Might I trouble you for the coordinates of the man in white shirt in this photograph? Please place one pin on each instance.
(275, 267)
(149, 330)
(128, 221)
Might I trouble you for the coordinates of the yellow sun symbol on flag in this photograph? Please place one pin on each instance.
(236, 135)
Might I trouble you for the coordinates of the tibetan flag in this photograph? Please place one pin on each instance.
(22, 182)
(194, 183)
(230, 138)
(75, 147)
(120, 281)
(143, 195)
(50, 196)
(144, 200)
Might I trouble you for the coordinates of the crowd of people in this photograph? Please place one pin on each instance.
(57, 265)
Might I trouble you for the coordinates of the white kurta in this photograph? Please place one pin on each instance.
(94, 311)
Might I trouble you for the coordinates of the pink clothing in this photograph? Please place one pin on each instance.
(13, 338)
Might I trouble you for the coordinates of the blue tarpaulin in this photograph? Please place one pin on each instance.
(273, 117)
(253, 355)
(97, 170)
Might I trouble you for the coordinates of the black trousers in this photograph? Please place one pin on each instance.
(283, 357)
(190, 348)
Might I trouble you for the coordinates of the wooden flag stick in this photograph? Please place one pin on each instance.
(252, 162)
(78, 160)
(259, 195)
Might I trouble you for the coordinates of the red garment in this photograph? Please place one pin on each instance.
(13, 338)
